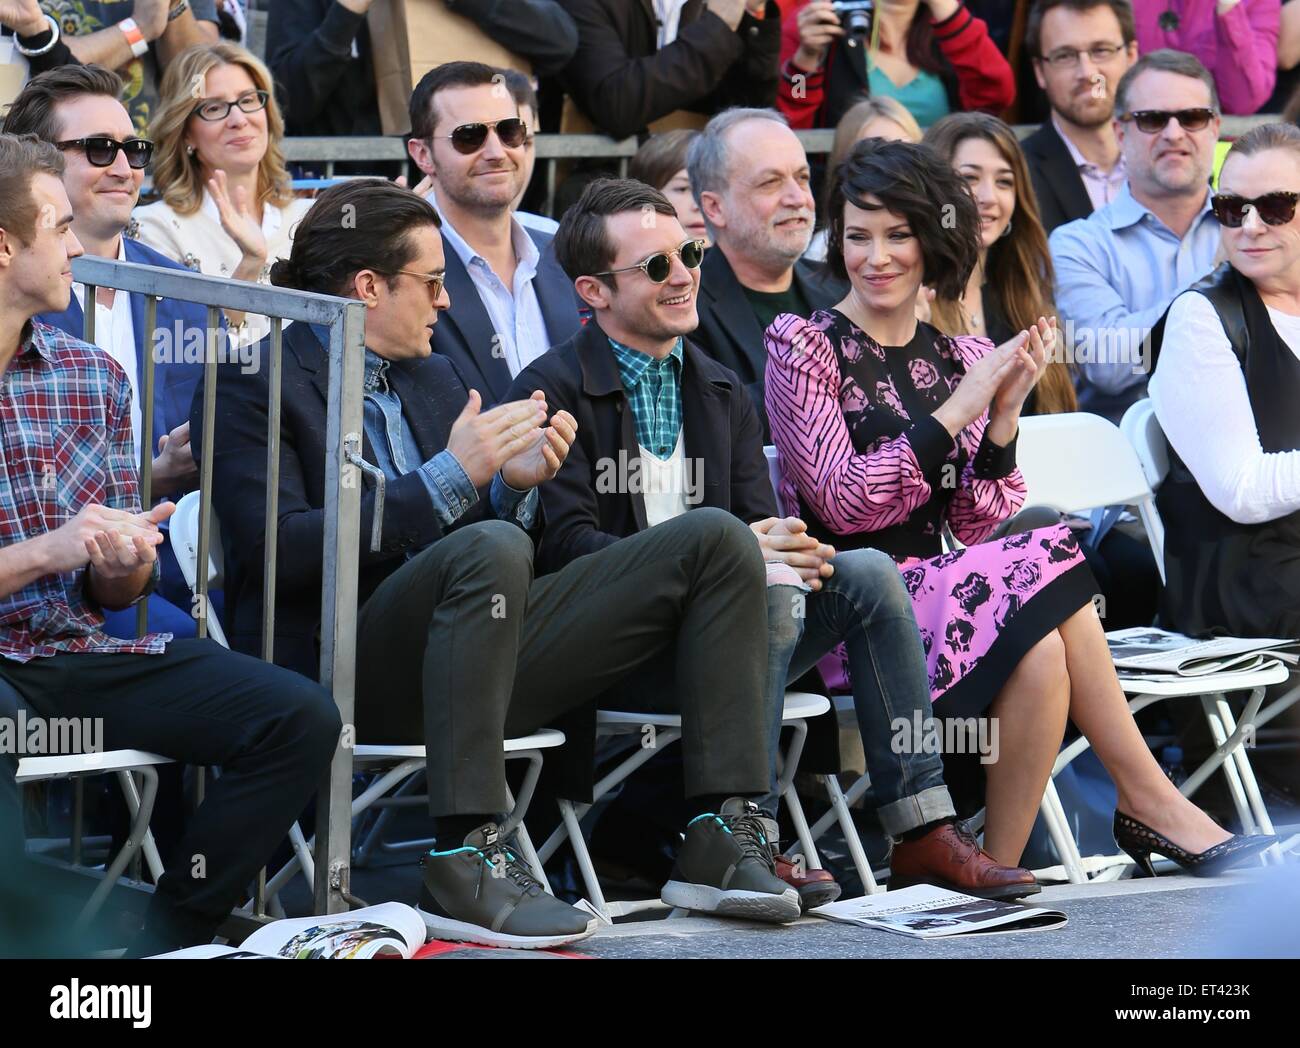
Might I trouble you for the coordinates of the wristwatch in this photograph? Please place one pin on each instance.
(134, 37)
(46, 48)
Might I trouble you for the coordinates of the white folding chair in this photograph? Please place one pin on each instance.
(405, 763)
(664, 729)
(126, 764)
(1077, 462)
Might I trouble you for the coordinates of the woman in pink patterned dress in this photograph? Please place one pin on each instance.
(886, 438)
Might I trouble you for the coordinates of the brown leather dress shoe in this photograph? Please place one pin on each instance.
(950, 857)
(815, 887)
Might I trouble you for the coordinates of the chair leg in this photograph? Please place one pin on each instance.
(1058, 828)
(1219, 732)
(787, 767)
(588, 870)
(840, 808)
(134, 840)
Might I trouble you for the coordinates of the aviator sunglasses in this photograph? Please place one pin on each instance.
(469, 138)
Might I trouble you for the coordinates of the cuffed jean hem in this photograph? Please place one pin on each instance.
(910, 813)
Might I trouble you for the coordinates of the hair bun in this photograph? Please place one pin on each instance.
(285, 274)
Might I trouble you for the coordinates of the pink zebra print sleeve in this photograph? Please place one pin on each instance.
(848, 491)
(979, 503)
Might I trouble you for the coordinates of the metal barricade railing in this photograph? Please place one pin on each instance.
(345, 319)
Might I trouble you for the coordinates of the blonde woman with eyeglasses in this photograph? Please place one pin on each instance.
(227, 208)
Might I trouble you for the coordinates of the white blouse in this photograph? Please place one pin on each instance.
(1199, 395)
(198, 242)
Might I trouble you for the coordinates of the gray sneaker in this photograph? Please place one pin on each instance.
(483, 892)
(725, 867)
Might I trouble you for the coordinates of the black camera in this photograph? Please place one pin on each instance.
(856, 17)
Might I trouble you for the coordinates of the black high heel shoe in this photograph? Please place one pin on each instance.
(1140, 840)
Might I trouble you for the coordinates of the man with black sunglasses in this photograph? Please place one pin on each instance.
(1119, 269)
(509, 298)
(76, 108)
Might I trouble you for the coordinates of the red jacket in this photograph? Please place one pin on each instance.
(984, 78)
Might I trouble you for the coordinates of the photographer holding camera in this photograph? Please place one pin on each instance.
(933, 56)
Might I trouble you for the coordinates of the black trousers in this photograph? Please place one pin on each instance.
(460, 648)
(271, 731)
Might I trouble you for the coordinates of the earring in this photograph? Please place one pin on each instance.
(189, 150)
(1006, 232)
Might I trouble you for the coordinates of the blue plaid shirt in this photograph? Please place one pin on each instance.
(654, 389)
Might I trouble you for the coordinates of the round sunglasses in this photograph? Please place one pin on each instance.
(101, 151)
(469, 138)
(658, 266)
(1275, 209)
(1152, 121)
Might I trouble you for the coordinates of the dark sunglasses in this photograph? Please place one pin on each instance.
(469, 138)
(657, 267)
(213, 109)
(101, 152)
(1152, 121)
(1276, 209)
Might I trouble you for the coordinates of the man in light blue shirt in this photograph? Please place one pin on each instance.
(1118, 270)
(510, 301)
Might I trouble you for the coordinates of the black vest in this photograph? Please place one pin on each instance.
(1222, 576)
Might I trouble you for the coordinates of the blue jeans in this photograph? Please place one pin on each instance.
(865, 606)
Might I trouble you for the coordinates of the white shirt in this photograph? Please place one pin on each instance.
(1199, 394)
(663, 483)
(668, 17)
(115, 335)
(514, 311)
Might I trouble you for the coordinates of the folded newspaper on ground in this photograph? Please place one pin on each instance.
(1147, 651)
(926, 912)
(392, 929)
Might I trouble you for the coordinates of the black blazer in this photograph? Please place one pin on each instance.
(720, 428)
(465, 335)
(1062, 196)
(729, 331)
(622, 81)
(432, 395)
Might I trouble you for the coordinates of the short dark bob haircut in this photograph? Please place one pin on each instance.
(913, 181)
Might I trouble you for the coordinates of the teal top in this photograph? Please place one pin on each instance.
(923, 96)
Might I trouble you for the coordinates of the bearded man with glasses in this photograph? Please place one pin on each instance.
(509, 298)
(1118, 270)
(1080, 49)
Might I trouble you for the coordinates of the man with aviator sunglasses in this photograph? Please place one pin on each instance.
(509, 298)
(1118, 270)
(76, 108)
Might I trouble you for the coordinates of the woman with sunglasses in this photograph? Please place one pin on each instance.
(1226, 391)
(889, 432)
(227, 208)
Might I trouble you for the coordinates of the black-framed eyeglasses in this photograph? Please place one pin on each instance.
(658, 266)
(434, 282)
(1153, 121)
(101, 151)
(1274, 209)
(469, 138)
(214, 109)
(1065, 57)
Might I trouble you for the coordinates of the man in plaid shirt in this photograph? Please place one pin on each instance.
(74, 542)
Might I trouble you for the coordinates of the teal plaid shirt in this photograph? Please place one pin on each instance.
(654, 388)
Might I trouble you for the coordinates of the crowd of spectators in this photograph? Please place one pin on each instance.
(884, 316)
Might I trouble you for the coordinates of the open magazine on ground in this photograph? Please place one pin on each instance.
(1150, 651)
(392, 929)
(926, 912)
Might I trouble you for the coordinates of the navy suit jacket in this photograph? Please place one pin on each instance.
(464, 333)
(174, 381)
